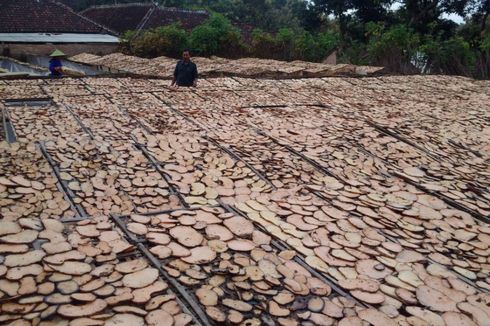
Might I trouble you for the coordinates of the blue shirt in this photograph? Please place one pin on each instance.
(55, 63)
(185, 73)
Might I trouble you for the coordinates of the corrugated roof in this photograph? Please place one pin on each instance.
(57, 38)
(48, 16)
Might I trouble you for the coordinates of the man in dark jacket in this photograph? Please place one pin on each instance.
(185, 73)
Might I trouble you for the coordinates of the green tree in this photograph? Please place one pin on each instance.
(263, 44)
(394, 48)
(204, 40)
(451, 56)
(167, 40)
(217, 36)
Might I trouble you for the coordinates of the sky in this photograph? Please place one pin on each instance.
(456, 18)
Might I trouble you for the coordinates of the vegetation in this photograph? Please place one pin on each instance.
(406, 36)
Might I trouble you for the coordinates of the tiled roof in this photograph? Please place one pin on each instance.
(166, 16)
(124, 17)
(30, 16)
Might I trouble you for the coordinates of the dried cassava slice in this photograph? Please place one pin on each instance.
(161, 252)
(376, 318)
(239, 226)
(456, 319)
(237, 305)
(159, 318)
(86, 310)
(125, 320)
(277, 311)
(372, 269)
(435, 300)
(363, 284)
(200, 255)
(216, 231)
(72, 268)
(26, 236)
(140, 278)
(371, 298)
(427, 315)
(186, 236)
(241, 245)
(216, 314)
(131, 266)
(158, 238)
(7, 227)
(207, 297)
(28, 258)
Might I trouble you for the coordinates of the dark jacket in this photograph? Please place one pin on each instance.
(185, 73)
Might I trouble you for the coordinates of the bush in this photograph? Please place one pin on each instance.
(288, 44)
(394, 48)
(263, 44)
(217, 36)
(204, 40)
(451, 56)
(168, 40)
(285, 44)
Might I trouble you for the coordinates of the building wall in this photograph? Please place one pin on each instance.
(18, 50)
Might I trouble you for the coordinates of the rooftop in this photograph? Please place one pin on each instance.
(44, 16)
(215, 66)
(124, 17)
(295, 201)
(57, 38)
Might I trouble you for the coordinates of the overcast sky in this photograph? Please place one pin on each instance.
(456, 18)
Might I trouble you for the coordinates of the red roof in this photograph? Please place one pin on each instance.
(124, 17)
(48, 16)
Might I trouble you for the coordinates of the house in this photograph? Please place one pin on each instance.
(36, 27)
(123, 17)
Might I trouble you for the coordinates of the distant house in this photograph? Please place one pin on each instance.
(123, 17)
(38, 26)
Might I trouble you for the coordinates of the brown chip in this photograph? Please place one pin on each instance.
(86, 310)
(140, 278)
(186, 236)
(237, 305)
(131, 266)
(435, 300)
(216, 231)
(376, 318)
(28, 258)
(72, 268)
(239, 226)
(200, 255)
(159, 318)
(372, 268)
(26, 236)
(371, 298)
(216, 314)
(125, 320)
(207, 297)
(363, 284)
(457, 319)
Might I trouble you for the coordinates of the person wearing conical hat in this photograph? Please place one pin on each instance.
(55, 66)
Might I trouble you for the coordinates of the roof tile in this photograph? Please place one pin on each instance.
(48, 16)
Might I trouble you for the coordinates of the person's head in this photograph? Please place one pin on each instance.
(57, 54)
(186, 55)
